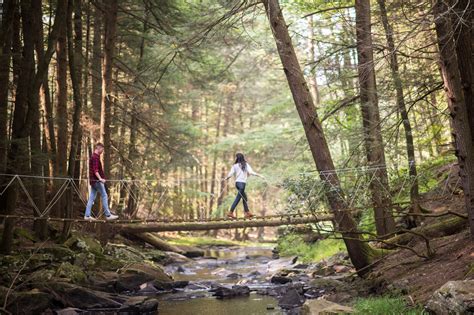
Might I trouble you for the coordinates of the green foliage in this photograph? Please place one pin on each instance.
(294, 245)
(385, 306)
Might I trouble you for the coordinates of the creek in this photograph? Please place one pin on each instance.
(225, 266)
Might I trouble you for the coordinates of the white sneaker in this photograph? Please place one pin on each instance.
(89, 219)
(111, 217)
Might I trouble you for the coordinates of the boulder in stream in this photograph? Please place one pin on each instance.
(291, 299)
(236, 290)
(280, 280)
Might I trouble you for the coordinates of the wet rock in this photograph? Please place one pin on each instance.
(31, 302)
(70, 295)
(168, 286)
(69, 311)
(135, 275)
(454, 297)
(220, 272)
(275, 253)
(174, 258)
(236, 290)
(281, 290)
(282, 263)
(291, 299)
(234, 275)
(180, 269)
(280, 280)
(254, 274)
(314, 293)
(140, 305)
(301, 266)
(185, 296)
(197, 287)
(191, 251)
(131, 282)
(147, 289)
(320, 307)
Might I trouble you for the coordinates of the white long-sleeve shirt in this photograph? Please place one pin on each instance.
(241, 176)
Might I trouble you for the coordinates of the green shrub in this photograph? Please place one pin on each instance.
(294, 245)
(385, 305)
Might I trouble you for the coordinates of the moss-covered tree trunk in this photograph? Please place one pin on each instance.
(458, 108)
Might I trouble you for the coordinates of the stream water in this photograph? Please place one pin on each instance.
(250, 266)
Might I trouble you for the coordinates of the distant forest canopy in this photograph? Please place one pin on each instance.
(175, 88)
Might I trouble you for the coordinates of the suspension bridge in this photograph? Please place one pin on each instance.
(189, 204)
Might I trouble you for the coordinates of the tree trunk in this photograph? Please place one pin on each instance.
(384, 221)
(74, 48)
(457, 105)
(6, 35)
(96, 67)
(463, 19)
(110, 9)
(61, 99)
(61, 113)
(224, 224)
(38, 188)
(46, 104)
(313, 75)
(27, 93)
(214, 164)
(414, 193)
(359, 251)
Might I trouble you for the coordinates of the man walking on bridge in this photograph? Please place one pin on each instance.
(97, 182)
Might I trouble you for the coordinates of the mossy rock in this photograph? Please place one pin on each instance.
(11, 261)
(124, 252)
(108, 263)
(150, 269)
(84, 244)
(85, 260)
(72, 272)
(25, 234)
(41, 276)
(58, 253)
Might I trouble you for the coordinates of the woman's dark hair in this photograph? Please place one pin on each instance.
(239, 158)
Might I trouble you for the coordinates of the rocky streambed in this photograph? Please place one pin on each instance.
(83, 277)
(249, 280)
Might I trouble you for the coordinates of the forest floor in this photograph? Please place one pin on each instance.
(418, 278)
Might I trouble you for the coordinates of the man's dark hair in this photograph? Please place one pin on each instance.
(99, 145)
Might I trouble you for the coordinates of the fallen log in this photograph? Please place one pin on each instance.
(229, 224)
(156, 242)
(441, 228)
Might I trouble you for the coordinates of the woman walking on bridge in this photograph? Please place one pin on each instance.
(241, 170)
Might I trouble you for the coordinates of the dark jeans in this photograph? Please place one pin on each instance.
(240, 195)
